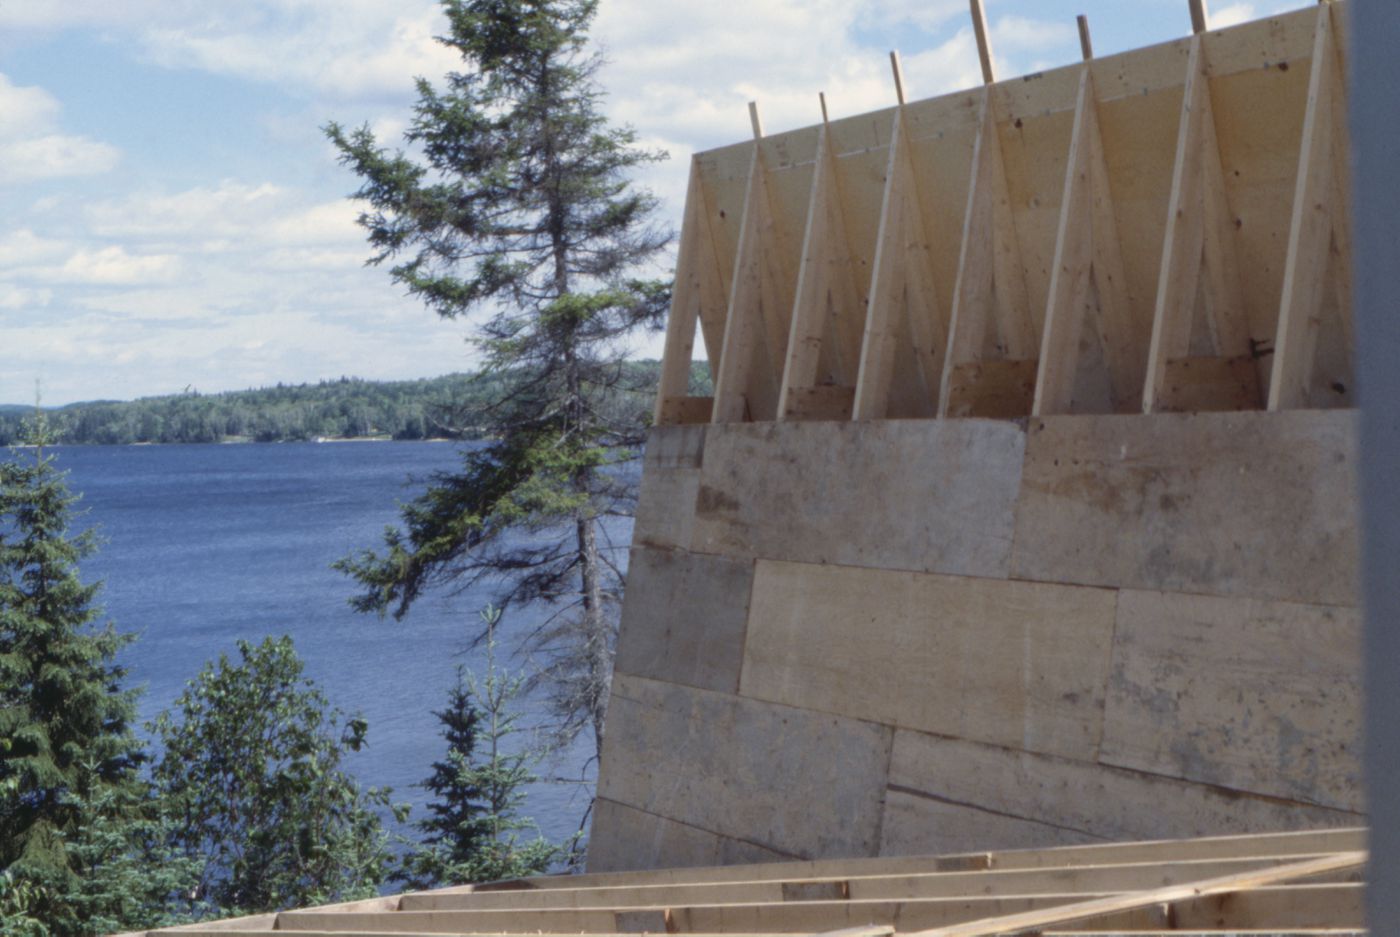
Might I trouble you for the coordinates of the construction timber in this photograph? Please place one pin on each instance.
(1023, 512)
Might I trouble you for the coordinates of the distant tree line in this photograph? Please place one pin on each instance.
(452, 406)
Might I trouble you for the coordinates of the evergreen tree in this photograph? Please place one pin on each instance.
(251, 781)
(519, 208)
(473, 831)
(68, 759)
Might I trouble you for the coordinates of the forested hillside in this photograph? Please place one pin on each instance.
(446, 406)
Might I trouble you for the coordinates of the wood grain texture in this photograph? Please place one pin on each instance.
(1022, 665)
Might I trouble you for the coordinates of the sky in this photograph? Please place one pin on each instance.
(174, 219)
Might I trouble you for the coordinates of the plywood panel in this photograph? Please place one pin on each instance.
(670, 481)
(626, 838)
(1250, 695)
(1244, 504)
(1093, 800)
(843, 493)
(916, 825)
(683, 618)
(1022, 665)
(745, 769)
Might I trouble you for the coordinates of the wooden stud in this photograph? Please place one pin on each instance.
(1087, 274)
(823, 322)
(902, 294)
(1200, 17)
(898, 71)
(1199, 239)
(751, 360)
(1316, 194)
(1086, 44)
(754, 121)
(984, 48)
(698, 290)
(991, 287)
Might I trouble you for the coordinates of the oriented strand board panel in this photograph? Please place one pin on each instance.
(1243, 504)
(1250, 695)
(912, 822)
(1023, 665)
(746, 769)
(684, 618)
(927, 495)
(670, 480)
(1095, 800)
(627, 838)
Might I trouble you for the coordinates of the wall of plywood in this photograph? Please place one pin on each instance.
(916, 636)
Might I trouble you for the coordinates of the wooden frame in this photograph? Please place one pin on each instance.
(1284, 881)
(1161, 230)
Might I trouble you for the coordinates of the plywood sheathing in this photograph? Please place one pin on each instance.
(1138, 231)
(1069, 629)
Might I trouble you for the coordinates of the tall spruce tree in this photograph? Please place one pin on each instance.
(513, 201)
(68, 759)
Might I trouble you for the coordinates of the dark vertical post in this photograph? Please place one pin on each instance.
(1375, 133)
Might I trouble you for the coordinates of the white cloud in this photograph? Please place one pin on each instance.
(114, 266)
(1231, 15)
(31, 146)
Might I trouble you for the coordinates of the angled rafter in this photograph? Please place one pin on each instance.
(903, 302)
(1088, 266)
(755, 333)
(1198, 257)
(1318, 233)
(823, 342)
(699, 295)
(991, 287)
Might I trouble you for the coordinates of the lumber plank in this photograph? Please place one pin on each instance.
(698, 290)
(825, 297)
(1298, 843)
(904, 302)
(1081, 911)
(1185, 231)
(1310, 231)
(990, 291)
(760, 301)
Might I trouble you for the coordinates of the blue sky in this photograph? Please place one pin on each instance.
(173, 216)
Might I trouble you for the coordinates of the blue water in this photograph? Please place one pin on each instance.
(205, 544)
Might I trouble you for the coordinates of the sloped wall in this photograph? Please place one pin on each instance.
(892, 637)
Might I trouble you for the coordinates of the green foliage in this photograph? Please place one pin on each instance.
(520, 208)
(251, 783)
(473, 831)
(71, 801)
(449, 407)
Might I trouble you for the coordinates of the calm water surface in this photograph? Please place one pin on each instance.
(205, 544)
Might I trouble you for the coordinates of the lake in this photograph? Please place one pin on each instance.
(205, 544)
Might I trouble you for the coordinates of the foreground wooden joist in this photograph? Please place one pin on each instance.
(1292, 884)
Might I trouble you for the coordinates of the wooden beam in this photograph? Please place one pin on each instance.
(984, 47)
(1081, 911)
(1086, 44)
(1310, 231)
(898, 71)
(1200, 17)
(990, 289)
(698, 291)
(750, 367)
(754, 122)
(903, 300)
